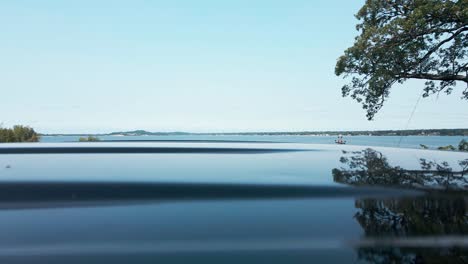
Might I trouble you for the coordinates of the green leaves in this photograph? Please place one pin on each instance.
(406, 39)
(18, 134)
(88, 139)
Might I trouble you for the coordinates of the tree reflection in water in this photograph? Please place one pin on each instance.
(442, 212)
(370, 167)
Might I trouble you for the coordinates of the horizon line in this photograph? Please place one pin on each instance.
(258, 132)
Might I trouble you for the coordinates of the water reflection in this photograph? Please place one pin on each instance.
(413, 217)
(371, 167)
(441, 213)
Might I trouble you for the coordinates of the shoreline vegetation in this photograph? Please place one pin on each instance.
(462, 146)
(18, 133)
(89, 139)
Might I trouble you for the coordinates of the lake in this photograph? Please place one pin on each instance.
(291, 203)
(379, 141)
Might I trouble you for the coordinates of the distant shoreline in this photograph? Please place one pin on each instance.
(412, 132)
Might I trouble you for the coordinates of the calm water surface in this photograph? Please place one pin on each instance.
(399, 227)
(378, 141)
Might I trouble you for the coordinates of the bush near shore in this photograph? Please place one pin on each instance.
(462, 146)
(18, 134)
(88, 139)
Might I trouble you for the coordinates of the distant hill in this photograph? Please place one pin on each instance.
(146, 133)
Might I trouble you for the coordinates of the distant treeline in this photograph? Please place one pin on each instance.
(462, 146)
(413, 132)
(18, 134)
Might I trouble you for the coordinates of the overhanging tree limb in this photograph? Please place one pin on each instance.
(428, 41)
(435, 48)
(435, 77)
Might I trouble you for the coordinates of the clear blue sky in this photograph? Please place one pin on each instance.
(205, 65)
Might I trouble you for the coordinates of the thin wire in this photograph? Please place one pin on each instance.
(410, 117)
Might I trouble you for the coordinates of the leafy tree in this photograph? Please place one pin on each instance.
(463, 146)
(6, 135)
(25, 134)
(18, 134)
(406, 39)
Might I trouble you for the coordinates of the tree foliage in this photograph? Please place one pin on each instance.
(463, 146)
(18, 134)
(88, 139)
(406, 39)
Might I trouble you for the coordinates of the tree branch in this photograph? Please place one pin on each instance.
(435, 48)
(435, 77)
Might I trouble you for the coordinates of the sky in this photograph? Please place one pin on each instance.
(198, 66)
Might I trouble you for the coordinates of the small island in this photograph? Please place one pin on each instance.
(89, 139)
